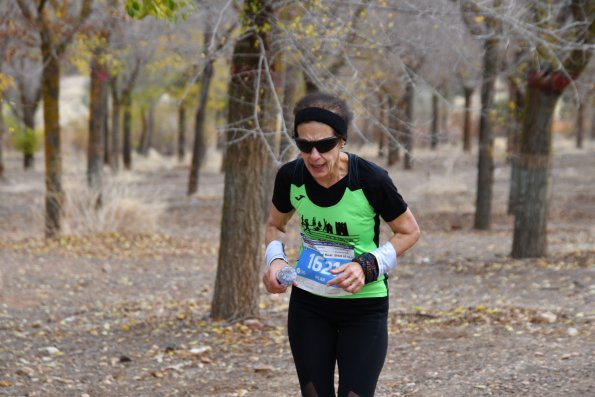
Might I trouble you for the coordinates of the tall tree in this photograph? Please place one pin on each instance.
(516, 104)
(5, 81)
(199, 145)
(236, 286)
(25, 71)
(565, 57)
(97, 113)
(483, 24)
(2, 133)
(435, 121)
(21, 60)
(407, 122)
(210, 51)
(56, 25)
(126, 101)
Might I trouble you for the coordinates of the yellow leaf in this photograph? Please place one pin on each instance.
(5, 383)
(479, 19)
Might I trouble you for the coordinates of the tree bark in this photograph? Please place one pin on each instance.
(238, 270)
(149, 129)
(407, 123)
(529, 239)
(181, 132)
(199, 147)
(580, 127)
(114, 157)
(290, 81)
(468, 92)
(2, 133)
(394, 154)
(144, 134)
(485, 163)
(127, 116)
(107, 139)
(515, 110)
(592, 135)
(50, 82)
(435, 120)
(443, 120)
(96, 144)
(29, 107)
(383, 115)
(126, 130)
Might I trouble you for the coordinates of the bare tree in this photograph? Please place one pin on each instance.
(102, 24)
(55, 30)
(238, 270)
(558, 64)
(482, 23)
(199, 146)
(214, 42)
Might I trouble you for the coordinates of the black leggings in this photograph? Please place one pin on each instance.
(351, 332)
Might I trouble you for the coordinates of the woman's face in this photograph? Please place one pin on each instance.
(322, 166)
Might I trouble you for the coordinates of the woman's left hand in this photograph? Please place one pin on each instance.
(350, 277)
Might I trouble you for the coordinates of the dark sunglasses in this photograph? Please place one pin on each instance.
(322, 146)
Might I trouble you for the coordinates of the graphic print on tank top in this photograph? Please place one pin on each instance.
(333, 235)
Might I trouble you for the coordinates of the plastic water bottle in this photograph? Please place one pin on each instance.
(286, 275)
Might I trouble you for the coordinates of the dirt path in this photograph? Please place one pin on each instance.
(116, 315)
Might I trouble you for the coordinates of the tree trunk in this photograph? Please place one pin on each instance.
(28, 160)
(148, 129)
(592, 135)
(144, 132)
(407, 124)
(238, 270)
(151, 127)
(485, 163)
(394, 154)
(95, 148)
(580, 130)
(443, 123)
(115, 141)
(107, 140)
(516, 106)
(530, 239)
(468, 92)
(181, 132)
(126, 130)
(2, 132)
(435, 120)
(29, 107)
(127, 116)
(50, 82)
(384, 121)
(290, 81)
(199, 147)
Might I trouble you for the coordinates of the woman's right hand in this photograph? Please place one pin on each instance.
(270, 277)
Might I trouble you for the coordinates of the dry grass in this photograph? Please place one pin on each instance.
(118, 208)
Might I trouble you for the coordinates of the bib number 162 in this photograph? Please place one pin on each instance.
(318, 264)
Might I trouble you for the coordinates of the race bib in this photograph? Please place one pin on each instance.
(315, 263)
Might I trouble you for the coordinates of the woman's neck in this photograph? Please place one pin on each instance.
(339, 172)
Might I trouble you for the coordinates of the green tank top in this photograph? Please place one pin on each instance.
(351, 223)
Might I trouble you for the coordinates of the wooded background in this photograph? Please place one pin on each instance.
(185, 77)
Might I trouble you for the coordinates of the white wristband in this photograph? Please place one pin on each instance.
(275, 251)
(386, 256)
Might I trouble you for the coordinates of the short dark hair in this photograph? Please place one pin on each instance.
(326, 101)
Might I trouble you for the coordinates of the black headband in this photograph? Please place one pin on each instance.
(324, 116)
